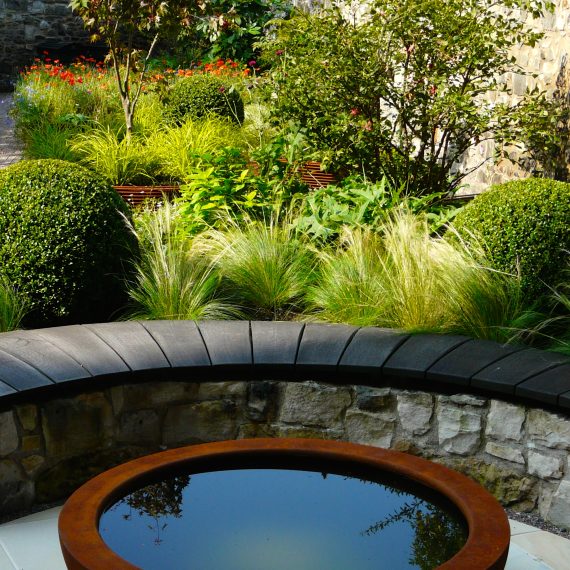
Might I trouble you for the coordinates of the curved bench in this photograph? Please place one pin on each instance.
(76, 400)
(88, 356)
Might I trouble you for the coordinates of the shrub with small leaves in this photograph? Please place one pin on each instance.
(64, 243)
(202, 95)
(523, 226)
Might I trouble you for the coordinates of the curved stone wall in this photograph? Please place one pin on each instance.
(77, 400)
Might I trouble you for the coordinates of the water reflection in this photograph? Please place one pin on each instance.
(270, 519)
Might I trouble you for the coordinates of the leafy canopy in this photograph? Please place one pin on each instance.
(402, 91)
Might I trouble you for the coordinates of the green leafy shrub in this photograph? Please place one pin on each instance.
(524, 227)
(358, 203)
(399, 90)
(224, 186)
(63, 241)
(200, 96)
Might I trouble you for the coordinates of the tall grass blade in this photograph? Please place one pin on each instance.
(172, 280)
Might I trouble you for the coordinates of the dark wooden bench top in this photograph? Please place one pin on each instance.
(37, 362)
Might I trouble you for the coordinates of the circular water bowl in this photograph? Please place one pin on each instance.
(367, 496)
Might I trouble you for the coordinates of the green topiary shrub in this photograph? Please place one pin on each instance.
(523, 225)
(199, 96)
(64, 243)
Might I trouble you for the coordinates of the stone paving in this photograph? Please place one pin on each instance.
(10, 148)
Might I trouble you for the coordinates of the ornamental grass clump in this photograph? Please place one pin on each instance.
(120, 160)
(13, 306)
(173, 280)
(403, 278)
(265, 264)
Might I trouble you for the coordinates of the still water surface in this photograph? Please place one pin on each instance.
(277, 519)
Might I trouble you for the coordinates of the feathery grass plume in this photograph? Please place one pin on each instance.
(12, 306)
(173, 281)
(119, 160)
(179, 148)
(485, 303)
(551, 327)
(268, 267)
(404, 278)
(348, 288)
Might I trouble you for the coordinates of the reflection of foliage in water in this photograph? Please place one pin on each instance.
(163, 499)
(437, 536)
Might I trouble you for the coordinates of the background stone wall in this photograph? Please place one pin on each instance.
(519, 454)
(28, 26)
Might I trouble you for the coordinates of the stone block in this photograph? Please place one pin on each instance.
(16, 493)
(28, 416)
(464, 400)
(415, 410)
(559, 512)
(141, 427)
(312, 404)
(200, 422)
(374, 399)
(262, 400)
(31, 443)
(369, 428)
(282, 430)
(459, 430)
(550, 430)
(505, 421)
(508, 485)
(8, 434)
(217, 390)
(544, 466)
(77, 425)
(32, 464)
(505, 452)
(150, 395)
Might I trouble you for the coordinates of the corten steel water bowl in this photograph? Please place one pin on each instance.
(488, 537)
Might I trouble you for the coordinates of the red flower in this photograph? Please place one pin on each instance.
(354, 112)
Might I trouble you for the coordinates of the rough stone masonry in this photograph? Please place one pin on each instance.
(519, 453)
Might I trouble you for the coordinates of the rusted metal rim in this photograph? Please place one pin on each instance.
(83, 548)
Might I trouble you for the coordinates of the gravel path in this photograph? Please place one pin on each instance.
(10, 148)
(537, 522)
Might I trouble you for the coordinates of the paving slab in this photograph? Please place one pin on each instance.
(322, 346)
(547, 386)
(19, 374)
(10, 147)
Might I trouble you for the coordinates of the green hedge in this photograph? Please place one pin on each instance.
(64, 243)
(524, 225)
(200, 96)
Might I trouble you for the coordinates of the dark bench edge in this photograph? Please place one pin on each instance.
(231, 346)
